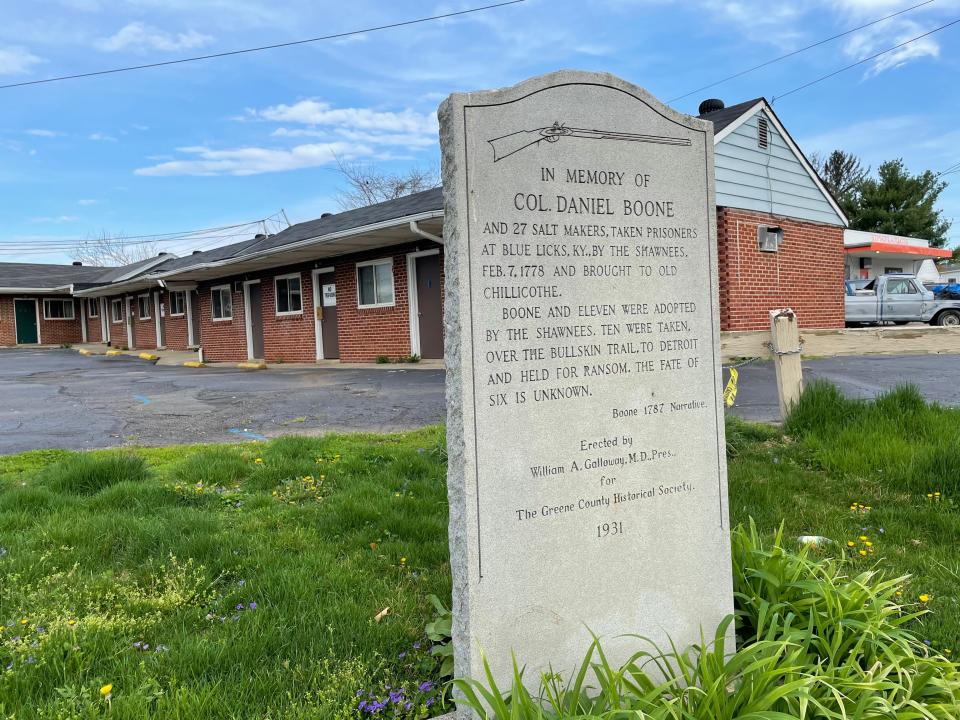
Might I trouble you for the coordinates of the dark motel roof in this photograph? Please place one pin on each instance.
(40, 278)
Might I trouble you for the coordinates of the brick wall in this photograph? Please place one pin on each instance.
(52, 332)
(118, 330)
(806, 274)
(222, 340)
(94, 327)
(175, 329)
(365, 333)
(144, 331)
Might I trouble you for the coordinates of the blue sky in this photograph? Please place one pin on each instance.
(226, 141)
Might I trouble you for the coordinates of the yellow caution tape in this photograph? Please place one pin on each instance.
(730, 391)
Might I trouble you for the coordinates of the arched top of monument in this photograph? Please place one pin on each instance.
(561, 78)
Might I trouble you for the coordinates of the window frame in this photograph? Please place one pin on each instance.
(276, 294)
(393, 284)
(213, 307)
(93, 307)
(116, 303)
(73, 309)
(183, 304)
(140, 315)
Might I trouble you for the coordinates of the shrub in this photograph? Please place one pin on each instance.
(382, 359)
(88, 474)
(816, 643)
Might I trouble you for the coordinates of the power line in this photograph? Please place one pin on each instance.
(866, 59)
(797, 52)
(244, 51)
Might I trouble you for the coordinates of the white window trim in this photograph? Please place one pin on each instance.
(139, 316)
(95, 306)
(181, 292)
(120, 321)
(218, 288)
(276, 295)
(73, 310)
(378, 261)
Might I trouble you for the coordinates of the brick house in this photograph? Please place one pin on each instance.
(366, 283)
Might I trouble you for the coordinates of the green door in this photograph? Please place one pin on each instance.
(26, 316)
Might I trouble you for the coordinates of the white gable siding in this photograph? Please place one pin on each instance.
(768, 180)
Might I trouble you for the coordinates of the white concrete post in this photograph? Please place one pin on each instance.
(785, 347)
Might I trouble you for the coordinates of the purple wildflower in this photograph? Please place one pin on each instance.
(426, 686)
(241, 606)
(41, 629)
(252, 605)
(396, 696)
(416, 645)
(402, 655)
(430, 702)
(138, 645)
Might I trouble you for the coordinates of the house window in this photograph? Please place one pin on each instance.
(143, 306)
(58, 309)
(93, 307)
(221, 301)
(177, 302)
(289, 295)
(116, 311)
(375, 283)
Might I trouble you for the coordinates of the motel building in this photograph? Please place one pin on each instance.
(365, 283)
(872, 254)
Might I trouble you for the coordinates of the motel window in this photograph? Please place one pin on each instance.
(289, 295)
(221, 302)
(143, 306)
(177, 302)
(375, 283)
(58, 309)
(93, 307)
(116, 311)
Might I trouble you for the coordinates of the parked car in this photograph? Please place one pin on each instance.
(899, 299)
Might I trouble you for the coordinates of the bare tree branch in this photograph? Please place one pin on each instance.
(108, 250)
(367, 185)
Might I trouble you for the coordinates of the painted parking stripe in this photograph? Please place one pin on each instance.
(246, 433)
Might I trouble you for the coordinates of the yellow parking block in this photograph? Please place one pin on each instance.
(252, 365)
(113, 353)
(148, 356)
(194, 363)
(84, 351)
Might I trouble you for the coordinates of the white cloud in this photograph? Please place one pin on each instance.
(38, 132)
(100, 137)
(256, 160)
(57, 219)
(87, 202)
(888, 34)
(140, 37)
(315, 112)
(16, 60)
(410, 140)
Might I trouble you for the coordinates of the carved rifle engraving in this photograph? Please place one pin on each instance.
(506, 145)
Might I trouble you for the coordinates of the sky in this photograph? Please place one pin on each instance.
(228, 141)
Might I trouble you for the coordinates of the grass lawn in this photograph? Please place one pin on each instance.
(103, 553)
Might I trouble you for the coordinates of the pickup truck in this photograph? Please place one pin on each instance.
(898, 299)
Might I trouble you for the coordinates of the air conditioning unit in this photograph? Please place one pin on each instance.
(769, 238)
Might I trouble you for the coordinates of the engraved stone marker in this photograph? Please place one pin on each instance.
(587, 475)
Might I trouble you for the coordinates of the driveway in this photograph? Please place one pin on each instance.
(936, 376)
(58, 398)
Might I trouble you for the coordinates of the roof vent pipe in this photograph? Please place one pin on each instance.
(77, 263)
(710, 105)
(325, 215)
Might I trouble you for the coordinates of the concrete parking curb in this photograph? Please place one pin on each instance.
(113, 353)
(252, 365)
(148, 356)
(84, 351)
(194, 364)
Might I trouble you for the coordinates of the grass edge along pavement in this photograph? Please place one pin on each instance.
(151, 548)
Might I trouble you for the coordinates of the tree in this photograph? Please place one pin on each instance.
(899, 203)
(107, 250)
(367, 185)
(843, 174)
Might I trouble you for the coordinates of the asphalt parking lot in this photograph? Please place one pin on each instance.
(58, 398)
(936, 376)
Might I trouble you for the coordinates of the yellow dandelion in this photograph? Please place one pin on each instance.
(924, 598)
(106, 690)
(929, 495)
(258, 461)
(850, 543)
(863, 553)
(868, 543)
(71, 622)
(403, 561)
(862, 538)
(2, 628)
(24, 621)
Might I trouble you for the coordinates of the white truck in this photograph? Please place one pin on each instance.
(898, 299)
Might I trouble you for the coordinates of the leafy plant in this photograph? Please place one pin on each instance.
(440, 632)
